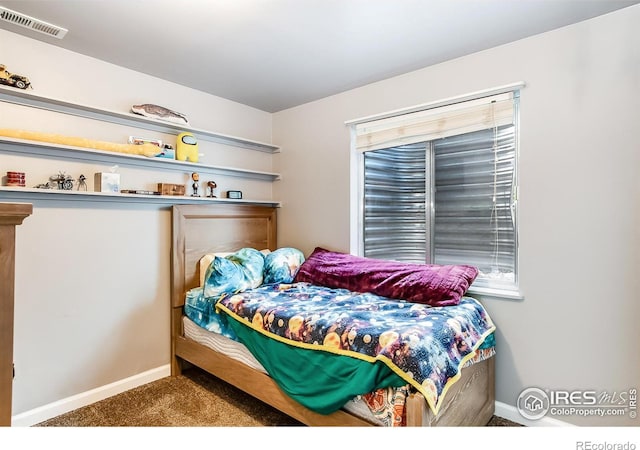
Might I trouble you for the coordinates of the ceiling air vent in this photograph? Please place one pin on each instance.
(16, 18)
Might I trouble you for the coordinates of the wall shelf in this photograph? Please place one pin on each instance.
(34, 148)
(29, 194)
(20, 97)
(56, 151)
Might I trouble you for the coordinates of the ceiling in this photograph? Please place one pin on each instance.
(276, 54)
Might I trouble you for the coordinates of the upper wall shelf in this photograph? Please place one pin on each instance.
(19, 97)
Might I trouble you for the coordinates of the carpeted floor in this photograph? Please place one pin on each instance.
(195, 399)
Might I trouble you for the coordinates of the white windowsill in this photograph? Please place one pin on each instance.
(499, 294)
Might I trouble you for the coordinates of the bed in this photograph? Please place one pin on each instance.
(199, 230)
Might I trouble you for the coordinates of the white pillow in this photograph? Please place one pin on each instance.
(206, 260)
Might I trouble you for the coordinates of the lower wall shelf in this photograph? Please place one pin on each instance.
(22, 194)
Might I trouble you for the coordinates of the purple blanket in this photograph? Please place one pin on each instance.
(435, 285)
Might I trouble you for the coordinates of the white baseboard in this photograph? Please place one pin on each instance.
(37, 415)
(511, 413)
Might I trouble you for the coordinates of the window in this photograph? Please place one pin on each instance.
(439, 185)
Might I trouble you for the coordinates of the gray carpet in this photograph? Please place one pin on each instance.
(194, 399)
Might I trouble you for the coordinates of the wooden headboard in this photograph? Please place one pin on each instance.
(201, 229)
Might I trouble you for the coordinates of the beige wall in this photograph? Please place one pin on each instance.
(577, 327)
(92, 277)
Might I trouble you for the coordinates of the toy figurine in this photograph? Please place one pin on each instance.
(82, 183)
(211, 185)
(196, 178)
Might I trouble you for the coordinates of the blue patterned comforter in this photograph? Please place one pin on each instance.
(426, 346)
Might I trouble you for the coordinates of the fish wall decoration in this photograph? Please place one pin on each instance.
(160, 112)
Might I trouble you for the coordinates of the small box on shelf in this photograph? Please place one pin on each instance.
(171, 189)
(106, 182)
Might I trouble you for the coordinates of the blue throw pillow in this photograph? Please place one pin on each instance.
(234, 273)
(281, 265)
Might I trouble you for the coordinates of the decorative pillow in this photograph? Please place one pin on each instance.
(281, 265)
(431, 284)
(234, 273)
(205, 261)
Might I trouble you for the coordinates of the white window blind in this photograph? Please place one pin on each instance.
(436, 123)
(395, 199)
(474, 204)
(439, 186)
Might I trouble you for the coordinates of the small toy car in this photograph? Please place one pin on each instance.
(11, 79)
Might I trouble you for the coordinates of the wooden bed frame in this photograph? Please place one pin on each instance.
(201, 229)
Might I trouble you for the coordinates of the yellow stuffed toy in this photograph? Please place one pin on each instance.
(187, 148)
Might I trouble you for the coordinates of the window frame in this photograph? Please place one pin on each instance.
(357, 185)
